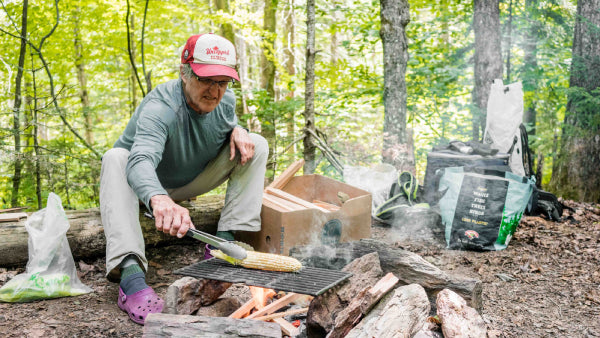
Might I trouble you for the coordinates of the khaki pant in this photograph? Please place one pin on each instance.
(119, 205)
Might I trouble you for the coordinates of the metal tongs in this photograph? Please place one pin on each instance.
(229, 248)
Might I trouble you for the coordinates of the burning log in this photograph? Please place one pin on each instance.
(169, 325)
(458, 319)
(276, 305)
(86, 236)
(403, 312)
(286, 327)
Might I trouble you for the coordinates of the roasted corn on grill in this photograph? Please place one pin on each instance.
(262, 261)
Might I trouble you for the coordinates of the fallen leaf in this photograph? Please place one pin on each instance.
(155, 264)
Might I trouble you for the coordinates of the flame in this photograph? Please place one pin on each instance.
(261, 296)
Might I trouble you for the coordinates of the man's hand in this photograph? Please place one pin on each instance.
(241, 141)
(170, 217)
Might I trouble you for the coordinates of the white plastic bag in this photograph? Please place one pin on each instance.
(504, 115)
(50, 271)
(377, 180)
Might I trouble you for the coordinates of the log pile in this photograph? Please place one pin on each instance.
(370, 303)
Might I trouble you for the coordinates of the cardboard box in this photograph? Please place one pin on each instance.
(281, 230)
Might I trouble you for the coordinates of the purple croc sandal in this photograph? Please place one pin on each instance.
(140, 304)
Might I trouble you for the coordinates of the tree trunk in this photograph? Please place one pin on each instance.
(228, 32)
(86, 235)
(309, 99)
(82, 78)
(267, 79)
(530, 77)
(335, 17)
(394, 18)
(17, 110)
(133, 74)
(509, 40)
(577, 175)
(290, 63)
(488, 58)
(147, 74)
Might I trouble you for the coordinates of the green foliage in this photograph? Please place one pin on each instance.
(348, 84)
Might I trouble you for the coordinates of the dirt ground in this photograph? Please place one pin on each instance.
(545, 284)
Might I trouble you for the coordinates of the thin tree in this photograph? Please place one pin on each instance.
(290, 64)
(577, 173)
(129, 21)
(488, 58)
(17, 109)
(530, 77)
(147, 74)
(82, 76)
(394, 19)
(309, 96)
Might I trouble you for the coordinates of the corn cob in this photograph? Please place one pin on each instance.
(262, 261)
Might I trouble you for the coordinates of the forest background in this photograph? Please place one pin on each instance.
(86, 65)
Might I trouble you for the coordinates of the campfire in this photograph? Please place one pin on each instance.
(386, 289)
(263, 306)
(345, 289)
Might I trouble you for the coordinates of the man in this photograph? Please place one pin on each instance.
(182, 141)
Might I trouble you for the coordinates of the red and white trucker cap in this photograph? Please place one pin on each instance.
(210, 55)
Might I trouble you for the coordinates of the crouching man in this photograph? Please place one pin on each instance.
(183, 140)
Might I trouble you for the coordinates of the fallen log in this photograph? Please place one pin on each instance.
(86, 235)
(169, 325)
(401, 314)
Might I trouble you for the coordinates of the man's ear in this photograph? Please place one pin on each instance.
(181, 74)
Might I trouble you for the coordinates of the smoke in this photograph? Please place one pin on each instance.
(415, 223)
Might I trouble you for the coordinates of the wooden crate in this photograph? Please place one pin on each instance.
(283, 229)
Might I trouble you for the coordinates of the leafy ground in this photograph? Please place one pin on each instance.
(545, 284)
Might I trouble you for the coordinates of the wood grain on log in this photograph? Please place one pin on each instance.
(86, 235)
(458, 319)
(399, 315)
(324, 309)
(169, 325)
(360, 306)
(187, 294)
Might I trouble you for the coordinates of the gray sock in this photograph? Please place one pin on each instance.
(133, 279)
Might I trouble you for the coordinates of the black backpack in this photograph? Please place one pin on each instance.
(541, 202)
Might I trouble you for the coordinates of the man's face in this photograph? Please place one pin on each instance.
(204, 94)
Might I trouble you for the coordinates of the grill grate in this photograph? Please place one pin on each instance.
(308, 281)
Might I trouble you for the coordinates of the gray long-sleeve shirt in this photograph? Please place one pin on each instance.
(169, 143)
